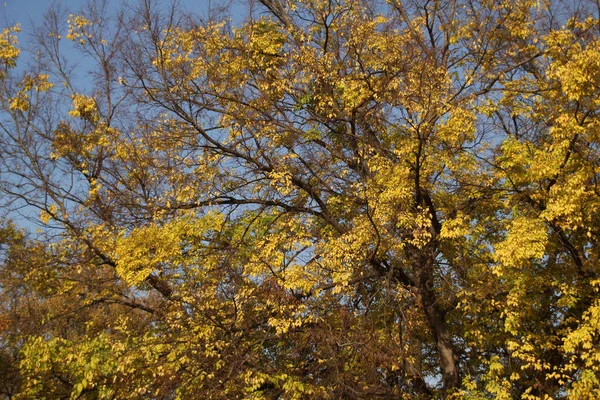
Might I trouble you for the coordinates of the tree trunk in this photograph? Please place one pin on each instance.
(448, 359)
(423, 262)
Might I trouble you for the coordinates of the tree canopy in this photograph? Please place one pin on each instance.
(327, 199)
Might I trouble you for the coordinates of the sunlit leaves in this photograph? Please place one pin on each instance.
(9, 52)
(328, 199)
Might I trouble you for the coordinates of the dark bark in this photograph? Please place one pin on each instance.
(423, 261)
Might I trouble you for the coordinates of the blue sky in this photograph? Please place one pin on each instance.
(27, 13)
(30, 12)
(24, 11)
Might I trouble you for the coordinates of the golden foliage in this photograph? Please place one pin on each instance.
(328, 199)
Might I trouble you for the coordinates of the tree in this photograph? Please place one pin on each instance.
(331, 199)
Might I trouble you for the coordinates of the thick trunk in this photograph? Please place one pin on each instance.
(423, 262)
(448, 359)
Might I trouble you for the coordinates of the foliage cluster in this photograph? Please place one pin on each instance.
(348, 199)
